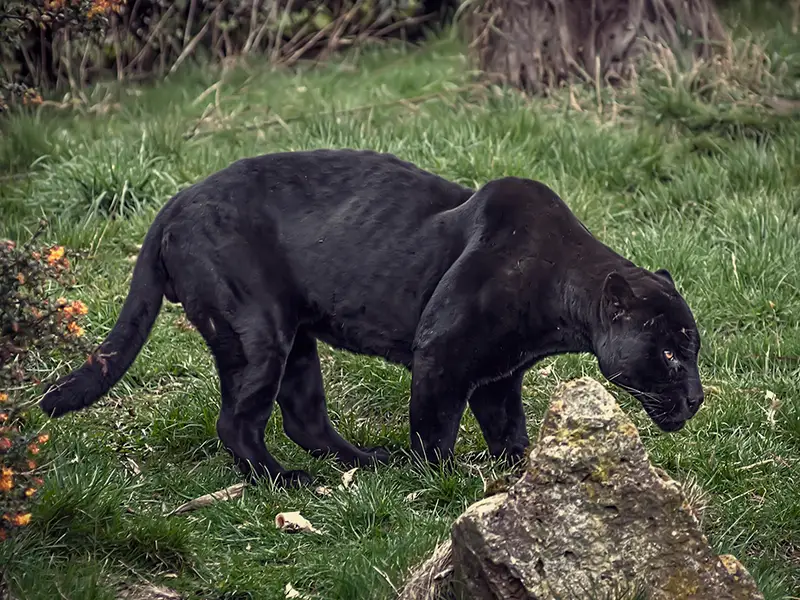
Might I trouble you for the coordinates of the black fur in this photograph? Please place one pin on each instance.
(370, 254)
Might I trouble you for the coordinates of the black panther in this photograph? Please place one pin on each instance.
(370, 254)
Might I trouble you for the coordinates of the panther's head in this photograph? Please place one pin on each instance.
(648, 345)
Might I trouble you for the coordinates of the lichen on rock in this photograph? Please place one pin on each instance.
(590, 517)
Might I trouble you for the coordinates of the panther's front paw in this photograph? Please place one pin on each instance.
(294, 479)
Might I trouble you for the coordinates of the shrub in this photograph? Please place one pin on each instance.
(32, 323)
(56, 42)
(22, 20)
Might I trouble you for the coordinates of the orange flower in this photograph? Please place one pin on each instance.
(76, 308)
(33, 448)
(21, 278)
(31, 97)
(98, 7)
(103, 6)
(61, 302)
(55, 255)
(6, 480)
(36, 255)
(3, 417)
(79, 308)
(30, 492)
(5, 444)
(75, 329)
(3, 397)
(36, 313)
(31, 464)
(43, 438)
(21, 519)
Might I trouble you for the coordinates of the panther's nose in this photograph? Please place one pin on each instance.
(694, 402)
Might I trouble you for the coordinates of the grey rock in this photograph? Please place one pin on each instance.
(590, 518)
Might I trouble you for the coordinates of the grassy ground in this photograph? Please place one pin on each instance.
(710, 191)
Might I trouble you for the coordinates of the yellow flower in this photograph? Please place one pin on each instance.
(6, 484)
(30, 492)
(55, 255)
(3, 397)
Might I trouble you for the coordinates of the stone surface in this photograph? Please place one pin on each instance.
(590, 518)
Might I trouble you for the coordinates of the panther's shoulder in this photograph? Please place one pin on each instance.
(521, 203)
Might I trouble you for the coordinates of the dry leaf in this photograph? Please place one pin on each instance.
(412, 496)
(774, 405)
(134, 467)
(323, 491)
(229, 493)
(183, 323)
(291, 592)
(293, 522)
(347, 477)
(148, 592)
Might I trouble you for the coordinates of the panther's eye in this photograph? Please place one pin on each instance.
(669, 355)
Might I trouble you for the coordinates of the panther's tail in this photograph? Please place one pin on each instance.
(106, 365)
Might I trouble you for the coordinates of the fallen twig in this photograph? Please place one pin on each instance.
(229, 493)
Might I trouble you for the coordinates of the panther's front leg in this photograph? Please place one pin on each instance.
(438, 399)
(497, 406)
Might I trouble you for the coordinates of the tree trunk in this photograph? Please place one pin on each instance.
(539, 44)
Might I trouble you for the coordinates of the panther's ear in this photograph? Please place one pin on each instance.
(618, 296)
(666, 275)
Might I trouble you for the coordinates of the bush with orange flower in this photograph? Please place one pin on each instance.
(55, 22)
(34, 322)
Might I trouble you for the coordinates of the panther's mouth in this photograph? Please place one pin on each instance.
(670, 426)
(669, 423)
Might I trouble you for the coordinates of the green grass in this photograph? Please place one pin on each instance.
(710, 193)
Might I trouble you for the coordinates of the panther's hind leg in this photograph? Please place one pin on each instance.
(250, 373)
(303, 408)
(248, 322)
